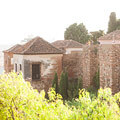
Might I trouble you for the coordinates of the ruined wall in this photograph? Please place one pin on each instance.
(90, 64)
(83, 64)
(72, 63)
(109, 57)
(8, 66)
(49, 65)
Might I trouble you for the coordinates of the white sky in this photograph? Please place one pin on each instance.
(49, 18)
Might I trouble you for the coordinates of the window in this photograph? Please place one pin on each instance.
(35, 71)
(20, 67)
(15, 67)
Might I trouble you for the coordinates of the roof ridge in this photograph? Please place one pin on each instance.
(11, 48)
(52, 45)
(33, 40)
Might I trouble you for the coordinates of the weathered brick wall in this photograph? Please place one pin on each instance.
(8, 66)
(90, 64)
(109, 58)
(49, 65)
(72, 63)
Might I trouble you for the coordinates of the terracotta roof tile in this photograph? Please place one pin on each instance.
(63, 44)
(38, 46)
(115, 35)
(13, 49)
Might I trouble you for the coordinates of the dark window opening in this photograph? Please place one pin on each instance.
(15, 67)
(35, 71)
(20, 67)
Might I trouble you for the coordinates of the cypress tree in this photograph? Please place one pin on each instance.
(63, 85)
(66, 84)
(55, 82)
(112, 22)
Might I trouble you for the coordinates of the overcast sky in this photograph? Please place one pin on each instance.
(49, 18)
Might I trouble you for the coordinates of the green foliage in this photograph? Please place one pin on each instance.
(77, 32)
(80, 83)
(118, 24)
(74, 87)
(112, 22)
(66, 83)
(102, 107)
(63, 85)
(19, 101)
(95, 35)
(96, 80)
(55, 83)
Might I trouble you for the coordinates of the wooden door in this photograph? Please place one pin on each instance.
(35, 71)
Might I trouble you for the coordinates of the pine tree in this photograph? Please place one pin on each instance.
(112, 22)
(55, 83)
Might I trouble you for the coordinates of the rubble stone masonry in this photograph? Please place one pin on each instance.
(90, 65)
(8, 66)
(72, 63)
(109, 58)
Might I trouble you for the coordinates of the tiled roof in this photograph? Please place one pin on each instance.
(13, 49)
(63, 44)
(38, 46)
(115, 35)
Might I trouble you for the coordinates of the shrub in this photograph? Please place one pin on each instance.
(73, 88)
(63, 87)
(96, 80)
(55, 83)
(19, 101)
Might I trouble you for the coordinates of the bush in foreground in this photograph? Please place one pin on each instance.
(19, 101)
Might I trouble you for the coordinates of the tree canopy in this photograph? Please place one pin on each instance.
(77, 32)
(95, 35)
(114, 23)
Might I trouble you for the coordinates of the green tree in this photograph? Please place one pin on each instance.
(77, 32)
(95, 35)
(66, 84)
(118, 24)
(112, 22)
(55, 82)
(63, 87)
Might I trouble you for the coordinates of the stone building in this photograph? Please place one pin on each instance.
(68, 46)
(38, 60)
(8, 58)
(111, 38)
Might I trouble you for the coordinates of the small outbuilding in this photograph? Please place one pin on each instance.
(110, 38)
(68, 46)
(8, 58)
(38, 60)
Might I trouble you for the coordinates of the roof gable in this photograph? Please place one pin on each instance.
(67, 44)
(38, 46)
(115, 35)
(13, 49)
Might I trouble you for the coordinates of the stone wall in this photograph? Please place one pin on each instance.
(83, 64)
(8, 66)
(109, 57)
(90, 64)
(49, 65)
(72, 63)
